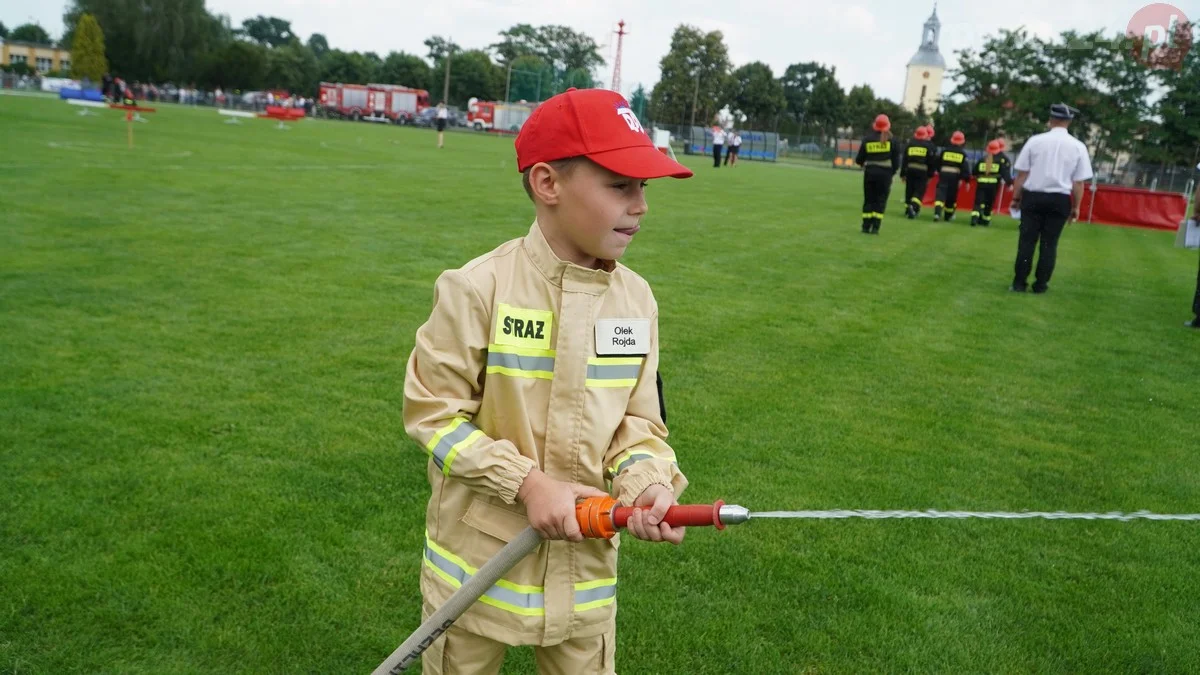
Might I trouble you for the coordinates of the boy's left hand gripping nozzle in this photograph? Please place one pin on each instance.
(600, 517)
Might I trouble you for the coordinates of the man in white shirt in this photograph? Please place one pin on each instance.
(718, 143)
(735, 145)
(1051, 171)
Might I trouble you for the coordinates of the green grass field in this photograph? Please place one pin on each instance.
(203, 466)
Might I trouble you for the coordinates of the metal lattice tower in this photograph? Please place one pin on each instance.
(616, 83)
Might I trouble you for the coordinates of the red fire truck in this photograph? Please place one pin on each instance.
(373, 102)
(498, 116)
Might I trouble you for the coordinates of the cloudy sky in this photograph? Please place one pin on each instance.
(869, 41)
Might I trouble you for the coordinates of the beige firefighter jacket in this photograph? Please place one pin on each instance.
(528, 361)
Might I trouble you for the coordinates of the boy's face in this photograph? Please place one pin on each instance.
(598, 212)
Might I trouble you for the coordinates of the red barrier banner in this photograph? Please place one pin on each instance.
(1115, 205)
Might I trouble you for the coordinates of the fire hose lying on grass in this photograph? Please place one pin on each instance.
(600, 518)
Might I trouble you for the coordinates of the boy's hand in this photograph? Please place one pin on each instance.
(647, 523)
(551, 505)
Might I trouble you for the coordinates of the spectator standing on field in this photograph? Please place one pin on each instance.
(735, 146)
(442, 115)
(1047, 192)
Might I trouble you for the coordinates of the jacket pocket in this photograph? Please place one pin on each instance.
(500, 522)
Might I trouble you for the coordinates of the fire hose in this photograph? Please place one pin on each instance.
(600, 518)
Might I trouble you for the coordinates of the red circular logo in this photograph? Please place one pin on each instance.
(1161, 36)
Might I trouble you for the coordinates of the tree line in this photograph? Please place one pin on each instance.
(180, 41)
(698, 81)
(1131, 102)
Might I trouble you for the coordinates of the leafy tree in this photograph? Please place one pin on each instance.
(351, 67)
(268, 31)
(757, 95)
(826, 105)
(292, 67)
(798, 82)
(163, 40)
(30, 32)
(236, 65)
(473, 75)
(438, 47)
(87, 50)
(694, 83)
(639, 102)
(406, 69)
(318, 44)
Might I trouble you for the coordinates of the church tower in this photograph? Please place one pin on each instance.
(923, 84)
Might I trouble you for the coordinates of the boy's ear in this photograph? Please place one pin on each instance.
(545, 183)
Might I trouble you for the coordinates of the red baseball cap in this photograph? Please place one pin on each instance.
(597, 124)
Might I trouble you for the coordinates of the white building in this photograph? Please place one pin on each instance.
(923, 84)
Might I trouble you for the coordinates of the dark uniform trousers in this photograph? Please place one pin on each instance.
(985, 197)
(877, 185)
(947, 192)
(717, 154)
(1043, 217)
(915, 182)
(1196, 300)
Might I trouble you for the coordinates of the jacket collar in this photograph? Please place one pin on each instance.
(566, 275)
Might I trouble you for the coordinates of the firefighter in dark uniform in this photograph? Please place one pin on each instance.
(879, 157)
(990, 172)
(916, 168)
(952, 167)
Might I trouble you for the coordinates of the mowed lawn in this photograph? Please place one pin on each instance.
(203, 466)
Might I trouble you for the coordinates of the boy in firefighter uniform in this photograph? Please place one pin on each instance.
(953, 167)
(916, 169)
(879, 157)
(990, 172)
(533, 384)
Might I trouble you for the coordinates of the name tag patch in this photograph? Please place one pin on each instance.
(519, 327)
(877, 146)
(629, 337)
(951, 157)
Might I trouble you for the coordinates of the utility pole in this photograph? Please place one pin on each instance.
(508, 81)
(446, 81)
(695, 94)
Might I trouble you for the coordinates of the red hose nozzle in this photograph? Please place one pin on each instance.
(600, 517)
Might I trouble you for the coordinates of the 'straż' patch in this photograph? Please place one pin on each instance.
(519, 327)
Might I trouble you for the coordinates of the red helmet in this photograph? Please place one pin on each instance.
(957, 138)
(882, 123)
(920, 134)
(995, 147)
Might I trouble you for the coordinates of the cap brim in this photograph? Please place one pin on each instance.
(641, 161)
